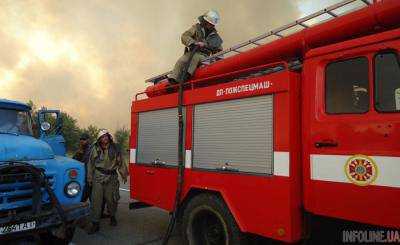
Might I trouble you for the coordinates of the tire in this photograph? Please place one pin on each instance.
(49, 239)
(207, 221)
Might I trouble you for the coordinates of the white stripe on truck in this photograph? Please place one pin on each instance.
(132, 156)
(281, 163)
(332, 168)
(188, 159)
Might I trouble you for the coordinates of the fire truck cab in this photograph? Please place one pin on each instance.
(272, 144)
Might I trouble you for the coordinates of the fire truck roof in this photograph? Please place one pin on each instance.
(296, 26)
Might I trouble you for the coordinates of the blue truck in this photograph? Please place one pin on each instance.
(40, 188)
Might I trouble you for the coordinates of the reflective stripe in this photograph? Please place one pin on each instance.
(332, 168)
(281, 163)
(188, 159)
(133, 156)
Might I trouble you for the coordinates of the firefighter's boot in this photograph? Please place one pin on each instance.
(113, 221)
(94, 228)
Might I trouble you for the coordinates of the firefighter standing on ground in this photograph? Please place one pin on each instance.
(202, 35)
(104, 162)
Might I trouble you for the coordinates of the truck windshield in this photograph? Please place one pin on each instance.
(15, 122)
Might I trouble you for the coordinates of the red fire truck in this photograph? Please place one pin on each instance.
(286, 132)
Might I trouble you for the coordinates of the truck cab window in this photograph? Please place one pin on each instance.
(387, 82)
(347, 86)
(15, 122)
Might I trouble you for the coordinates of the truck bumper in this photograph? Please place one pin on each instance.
(25, 223)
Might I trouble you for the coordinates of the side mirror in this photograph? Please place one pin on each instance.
(45, 126)
(50, 122)
(397, 98)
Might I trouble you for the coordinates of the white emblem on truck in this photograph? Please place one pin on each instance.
(361, 170)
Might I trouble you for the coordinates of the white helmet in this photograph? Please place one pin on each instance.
(212, 17)
(102, 132)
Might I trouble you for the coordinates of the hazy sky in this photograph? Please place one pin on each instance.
(89, 58)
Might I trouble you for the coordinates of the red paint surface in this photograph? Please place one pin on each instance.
(260, 204)
(371, 133)
(264, 204)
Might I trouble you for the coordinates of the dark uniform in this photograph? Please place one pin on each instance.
(198, 33)
(82, 155)
(103, 168)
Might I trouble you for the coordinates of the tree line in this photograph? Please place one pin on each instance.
(72, 132)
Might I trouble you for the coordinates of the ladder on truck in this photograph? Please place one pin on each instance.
(302, 23)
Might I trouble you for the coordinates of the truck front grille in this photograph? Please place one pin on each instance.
(16, 189)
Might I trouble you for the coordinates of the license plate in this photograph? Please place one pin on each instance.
(17, 227)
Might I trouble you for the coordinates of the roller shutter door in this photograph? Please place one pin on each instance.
(158, 136)
(238, 132)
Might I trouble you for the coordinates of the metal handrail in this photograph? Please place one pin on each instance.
(276, 32)
(192, 83)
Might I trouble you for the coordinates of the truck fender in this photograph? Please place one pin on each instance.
(196, 190)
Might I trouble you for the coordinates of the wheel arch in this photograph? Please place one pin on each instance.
(195, 191)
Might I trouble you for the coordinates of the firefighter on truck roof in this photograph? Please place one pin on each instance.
(202, 35)
(105, 162)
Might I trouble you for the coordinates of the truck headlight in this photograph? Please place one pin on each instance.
(72, 189)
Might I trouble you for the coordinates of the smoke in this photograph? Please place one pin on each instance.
(90, 58)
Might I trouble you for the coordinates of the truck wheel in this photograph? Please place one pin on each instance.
(50, 239)
(207, 221)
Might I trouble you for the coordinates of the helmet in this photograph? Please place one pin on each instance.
(212, 17)
(103, 132)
